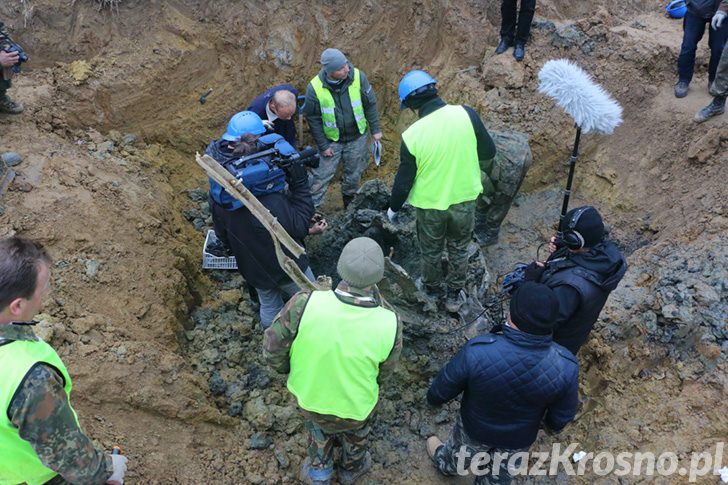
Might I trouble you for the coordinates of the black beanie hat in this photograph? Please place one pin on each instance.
(589, 225)
(534, 308)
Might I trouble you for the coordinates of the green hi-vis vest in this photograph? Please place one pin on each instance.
(18, 461)
(446, 150)
(328, 107)
(336, 354)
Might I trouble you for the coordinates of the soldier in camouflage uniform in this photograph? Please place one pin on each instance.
(40, 438)
(501, 177)
(439, 174)
(331, 343)
(7, 61)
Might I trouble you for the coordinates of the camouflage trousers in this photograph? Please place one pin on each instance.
(455, 457)
(5, 84)
(450, 229)
(354, 155)
(322, 441)
(720, 84)
(510, 165)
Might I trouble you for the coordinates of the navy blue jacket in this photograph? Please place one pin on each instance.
(582, 283)
(285, 128)
(511, 382)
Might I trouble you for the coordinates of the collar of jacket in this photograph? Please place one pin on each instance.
(430, 106)
(368, 298)
(523, 339)
(17, 331)
(337, 87)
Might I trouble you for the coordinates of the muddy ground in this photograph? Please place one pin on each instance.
(166, 357)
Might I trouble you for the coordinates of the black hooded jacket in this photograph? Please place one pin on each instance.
(246, 237)
(582, 283)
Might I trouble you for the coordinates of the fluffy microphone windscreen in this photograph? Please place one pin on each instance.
(592, 108)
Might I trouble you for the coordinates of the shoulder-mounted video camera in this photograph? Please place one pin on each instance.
(264, 172)
(22, 56)
(308, 157)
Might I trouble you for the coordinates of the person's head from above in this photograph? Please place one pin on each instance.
(24, 279)
(583, 229)
(283, 104)
(335, 64)
(533, 309)
(416, 88)
(361, 263)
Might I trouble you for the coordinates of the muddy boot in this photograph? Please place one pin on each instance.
(9, 106)
(433, 444)
(681, 89)
(348, 477)
(433, 292)
(486, 235)
(315, 476)
(454, 300)
(347, 200)
(715, 108)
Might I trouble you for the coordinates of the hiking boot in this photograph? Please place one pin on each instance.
(431, 291)
(503, 46)
(348, 477)
(681, 89)
(519, 52)
(454, 300)
(486, 236)
(315, 476)
(715, 108)
(433, 444)
(9, 106)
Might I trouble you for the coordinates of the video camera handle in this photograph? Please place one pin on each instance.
(265, 153)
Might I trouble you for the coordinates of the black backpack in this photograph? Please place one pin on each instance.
(704, 9)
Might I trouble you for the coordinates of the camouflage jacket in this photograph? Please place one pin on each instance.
(43, 416)
(4, 36)
(281, 334)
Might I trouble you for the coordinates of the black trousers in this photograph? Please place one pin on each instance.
(515, 24)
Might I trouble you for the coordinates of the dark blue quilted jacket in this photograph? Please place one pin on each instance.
(511, 382)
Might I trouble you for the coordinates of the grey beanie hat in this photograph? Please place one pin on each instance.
(361, 263)
(332, 60)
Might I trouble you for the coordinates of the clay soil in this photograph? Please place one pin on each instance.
(111, 126)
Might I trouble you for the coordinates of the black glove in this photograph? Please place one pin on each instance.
(533, 272)
(296, 174)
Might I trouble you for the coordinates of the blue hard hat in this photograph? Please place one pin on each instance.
(676, 9)
(411, 82)
(243, 123)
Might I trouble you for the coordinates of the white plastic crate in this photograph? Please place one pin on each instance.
(215, 262)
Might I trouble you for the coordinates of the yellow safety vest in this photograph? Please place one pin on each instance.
(446, 151)
(336, 354)
(18, 461)
(328, 106)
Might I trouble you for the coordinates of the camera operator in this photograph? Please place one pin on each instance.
(7, 61)
(241, 232)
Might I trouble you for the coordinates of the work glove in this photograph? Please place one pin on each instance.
(718, 19)
(296, 174)
(119, 463)
(533, 272)
(268, 125)
(392, 216)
